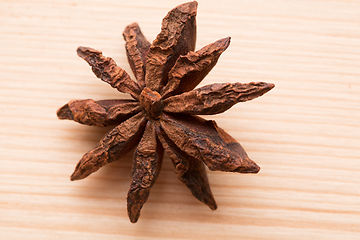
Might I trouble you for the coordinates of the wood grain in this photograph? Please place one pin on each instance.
(305, 133)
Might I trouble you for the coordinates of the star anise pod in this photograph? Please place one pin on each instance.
(163, 112)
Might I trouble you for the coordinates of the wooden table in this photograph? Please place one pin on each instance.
(305, 133)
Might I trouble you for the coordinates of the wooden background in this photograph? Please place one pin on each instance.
(305, 133)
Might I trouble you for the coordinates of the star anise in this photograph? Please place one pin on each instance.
(162, 114)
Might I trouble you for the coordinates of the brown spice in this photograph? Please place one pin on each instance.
(162, 114)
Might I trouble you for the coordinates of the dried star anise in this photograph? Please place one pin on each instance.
(162, 114)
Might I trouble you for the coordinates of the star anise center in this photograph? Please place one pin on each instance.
(151, 102)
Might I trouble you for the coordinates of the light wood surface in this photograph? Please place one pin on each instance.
(305, 133)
